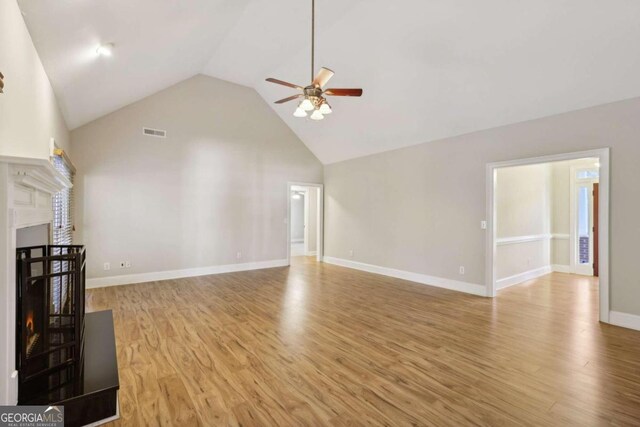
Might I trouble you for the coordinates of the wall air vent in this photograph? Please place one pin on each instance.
(154, 132)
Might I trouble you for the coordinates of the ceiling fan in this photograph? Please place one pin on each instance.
(314, 94)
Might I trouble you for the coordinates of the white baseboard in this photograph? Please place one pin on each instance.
(626, 320)
(297, 240)
(127, 279)
(439, 282)
(560, 268)
(312, 253)
(522, 277)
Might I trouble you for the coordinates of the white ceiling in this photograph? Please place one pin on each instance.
(430, 69)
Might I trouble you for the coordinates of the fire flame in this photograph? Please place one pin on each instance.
(30, 322)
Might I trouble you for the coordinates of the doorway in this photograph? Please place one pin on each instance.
(585, 180)
(304, 220)
(587, 238)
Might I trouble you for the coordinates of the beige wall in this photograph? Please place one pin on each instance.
(29, 113)
(419, 208)
(215, 186)
(523, 208)
(560, 220)
(523, 201)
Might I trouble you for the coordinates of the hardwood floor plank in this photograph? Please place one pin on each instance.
(316, 344)
(181, 406)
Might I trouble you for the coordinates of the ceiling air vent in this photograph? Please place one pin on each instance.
(154, 132)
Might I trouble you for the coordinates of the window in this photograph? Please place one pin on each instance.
(63, 204)
(588, 174)
(62, 230)
(584, 224)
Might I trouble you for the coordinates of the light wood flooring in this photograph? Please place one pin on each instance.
(316, 344)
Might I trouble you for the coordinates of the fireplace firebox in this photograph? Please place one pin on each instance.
(50, 319)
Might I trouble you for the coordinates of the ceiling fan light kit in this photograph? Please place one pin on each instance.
(313, 96)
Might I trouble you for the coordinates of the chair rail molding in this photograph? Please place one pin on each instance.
(522, 239)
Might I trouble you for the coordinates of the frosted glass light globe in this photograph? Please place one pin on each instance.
(317, 115)
(307, 105)
(300, 112)
(325, 109)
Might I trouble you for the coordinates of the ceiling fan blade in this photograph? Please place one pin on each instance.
(291, 98)
(323, 76)
(283, 83)
(343, 92)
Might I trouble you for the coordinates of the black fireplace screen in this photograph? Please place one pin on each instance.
(50, 317)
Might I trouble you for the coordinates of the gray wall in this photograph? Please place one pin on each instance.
(419, 208)
(215, 186)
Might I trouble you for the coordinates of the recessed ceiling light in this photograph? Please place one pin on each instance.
(105, 49)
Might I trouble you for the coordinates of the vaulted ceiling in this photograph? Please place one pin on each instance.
(430, 69)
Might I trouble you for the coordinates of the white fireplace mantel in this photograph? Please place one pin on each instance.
(27, 186)
(31, 182)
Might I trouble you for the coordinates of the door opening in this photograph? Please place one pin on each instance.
(305, 220)
(583, 218)
(584, 231)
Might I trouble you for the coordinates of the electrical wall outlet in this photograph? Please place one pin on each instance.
(127, 264)
(238, 255)
(122, 264)
(351, 253)
(483, 225)
(107, 266)
(462, 269)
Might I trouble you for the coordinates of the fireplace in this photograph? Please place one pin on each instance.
(49, 318)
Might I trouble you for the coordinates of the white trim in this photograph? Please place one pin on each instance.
(320, 212)
(559, 236)
(297, 240)
(36, 173)
(311, 253)
(625, 320)
(523, 277)
(305, 229)
(602, 155)
(560, 268)
(523, 239)
(438, 282)
(127, 279)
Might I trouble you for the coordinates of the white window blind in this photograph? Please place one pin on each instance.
(62, 233)
(63, 206)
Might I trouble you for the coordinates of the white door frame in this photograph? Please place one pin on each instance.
(603, 157)
(305, 231)
(320, 230)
